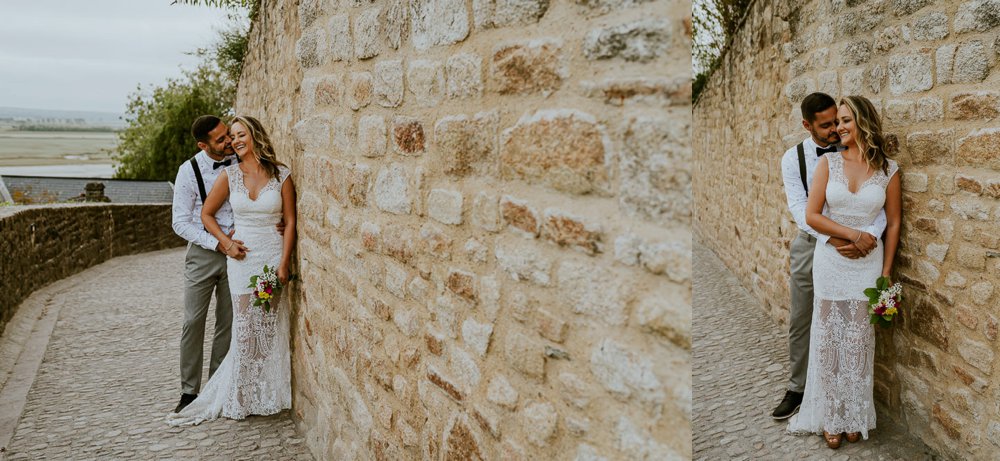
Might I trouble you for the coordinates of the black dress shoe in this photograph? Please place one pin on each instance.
(788, 406)
(186, 400)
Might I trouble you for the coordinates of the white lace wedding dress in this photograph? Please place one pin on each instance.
(255, 376)
(838, 394)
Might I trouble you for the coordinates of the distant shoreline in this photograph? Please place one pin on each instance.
(93, 170)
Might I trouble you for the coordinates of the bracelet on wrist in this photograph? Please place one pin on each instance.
(859, 237)
(231, 243)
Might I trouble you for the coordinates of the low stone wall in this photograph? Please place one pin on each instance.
(42, 244)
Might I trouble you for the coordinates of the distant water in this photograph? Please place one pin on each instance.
(61, 171)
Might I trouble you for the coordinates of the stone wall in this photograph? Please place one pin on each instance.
(929, 66)
(42, 244)
(494, 224)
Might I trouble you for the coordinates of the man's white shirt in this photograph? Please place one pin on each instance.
(187, 202)
(796, 193)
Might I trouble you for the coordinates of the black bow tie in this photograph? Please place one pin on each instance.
(825, 150)
(226, 162)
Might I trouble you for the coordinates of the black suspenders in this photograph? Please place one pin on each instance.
(197, 175)
(802, 171)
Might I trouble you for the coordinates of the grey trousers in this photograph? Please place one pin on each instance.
(800, 312)
(204, 272)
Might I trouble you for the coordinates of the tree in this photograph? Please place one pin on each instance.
(715, 22)
(158, 137)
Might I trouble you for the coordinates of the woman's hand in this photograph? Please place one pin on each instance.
(283, 274)
(236, 250)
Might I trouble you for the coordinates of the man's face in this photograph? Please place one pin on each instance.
(824, 128)
(219, 143)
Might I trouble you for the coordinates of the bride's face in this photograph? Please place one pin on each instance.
(242, 141)
(847, 129)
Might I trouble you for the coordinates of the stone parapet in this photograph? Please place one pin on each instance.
(42, 244)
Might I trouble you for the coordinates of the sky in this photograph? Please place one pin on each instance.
(90, 54)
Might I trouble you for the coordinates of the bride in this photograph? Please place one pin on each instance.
(255, 377)
(854, 184)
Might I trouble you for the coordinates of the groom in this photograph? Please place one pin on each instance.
(819, 113)
(205, 262)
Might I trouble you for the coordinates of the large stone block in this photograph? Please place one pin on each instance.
(477, 336)
(975, 105)
(438, 22)
(523, 262)
(388, 84)
(856, 53)
(466, 145)
(929, 147)
(322, 92)
(625, 372)
(309, 10)
(933, 26)
(338, 29)
(426, 82)
(371, 136)
(344, 134)
(910, 73)
(539, 420)
(565, 149)
(978, 148)
(655, 169)
(502, 13)
(486, 212)
(944, 59)
(445, 206)
(360, 89)
(309, 48)
(798, 89)
(642, 41)
(525, 354)
(396, 22)
(528, 67)
(520, 216)
(408, 136)
(977, 16)
(972, 63)
(367, 34)
(565, 229)
(600, 293)
(314, 133)
(464, 76)
(392, 190)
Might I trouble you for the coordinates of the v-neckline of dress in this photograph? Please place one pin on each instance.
(243, 181)
(847, 181)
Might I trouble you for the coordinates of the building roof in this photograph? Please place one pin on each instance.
(40, 189)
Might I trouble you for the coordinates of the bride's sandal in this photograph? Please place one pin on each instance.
(832, 440)
(853, 436)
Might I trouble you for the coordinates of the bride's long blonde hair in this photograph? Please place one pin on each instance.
(870, 140)
(263, 150)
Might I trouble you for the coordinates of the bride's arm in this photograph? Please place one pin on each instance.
(288, 214)
(893, 215)
(218, 196)
(814, 207)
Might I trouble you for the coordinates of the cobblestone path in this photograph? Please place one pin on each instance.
(109, 373)
(740, 372)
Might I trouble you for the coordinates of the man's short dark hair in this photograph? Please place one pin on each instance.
(816, 103)
(202, 125)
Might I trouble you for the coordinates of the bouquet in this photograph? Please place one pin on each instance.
(884, 302)
(265, 287)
